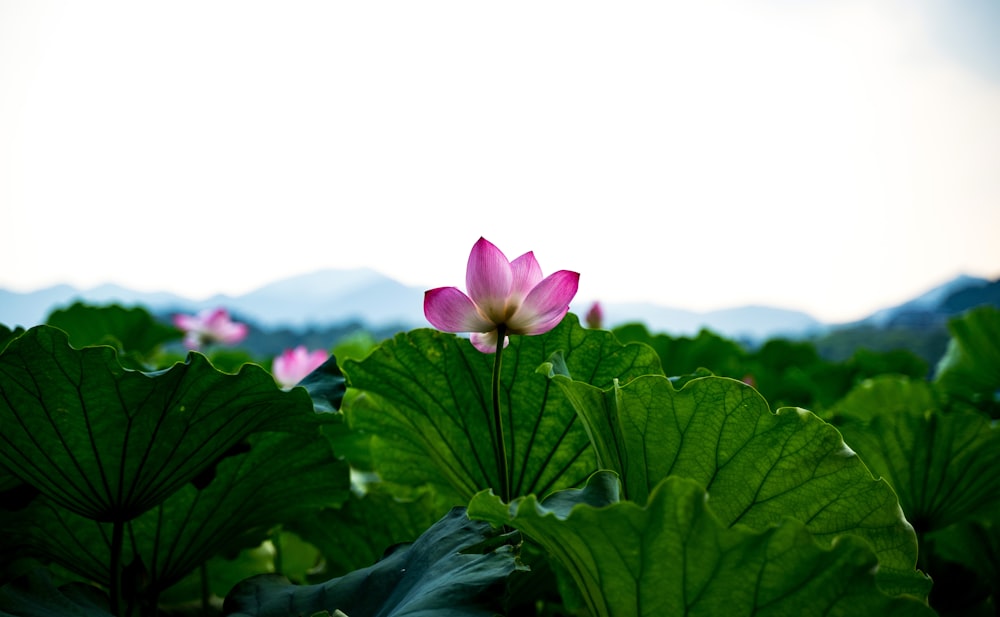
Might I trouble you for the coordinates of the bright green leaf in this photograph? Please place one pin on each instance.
(675, 557)
(426, 402)
(758, 466)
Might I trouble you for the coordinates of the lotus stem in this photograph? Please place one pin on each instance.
(501, 446)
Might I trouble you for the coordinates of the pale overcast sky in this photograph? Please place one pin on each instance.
(832, 156)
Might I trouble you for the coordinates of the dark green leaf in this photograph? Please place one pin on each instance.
(126, 329)
(965, 564)
(280, 477)
(682, 355)
(433, 576)
(969, 368)
(8, 481)
(228, 360)
(220, 574)
(356, 535)
(885, 395)
(326, 386)
(943, 466)
(977, 545)
(109, 443)
(7, 335)
(35, 595)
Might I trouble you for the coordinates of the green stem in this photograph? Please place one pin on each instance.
(501, 446)
(115, 584)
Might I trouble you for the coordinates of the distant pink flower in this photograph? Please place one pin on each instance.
(210, 326)
(595, 316)
(293, 364)
(501, 292)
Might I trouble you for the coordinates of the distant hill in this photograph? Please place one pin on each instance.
(919, 325)
(330, 296)
(936, 304)
(28, 309)
(317, 299)
(971, 296)
(746, 323)
(364, 298)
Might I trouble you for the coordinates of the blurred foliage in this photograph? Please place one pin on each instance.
(925, 341)
(786, 372)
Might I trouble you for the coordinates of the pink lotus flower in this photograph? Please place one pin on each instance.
(508, 294)
(294, 364)
(210, 326)
(595, 316)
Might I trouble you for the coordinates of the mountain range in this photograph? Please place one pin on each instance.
(364, 296)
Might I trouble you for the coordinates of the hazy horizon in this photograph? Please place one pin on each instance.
(579, 306)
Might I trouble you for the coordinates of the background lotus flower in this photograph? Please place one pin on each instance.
(293, 364)
(595, 316)
(511, 294)
(210, 326)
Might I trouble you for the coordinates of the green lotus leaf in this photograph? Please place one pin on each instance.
(356, 534)
(673, 556)
(7, 335)
(885, 394)
(943, 466)
(969, 367)
(8, 481)
(439, 574)
(278, 477)
(326, 386)
(126, 329)
(968, 557)
(110, 443)
(759, 467)
(974, 544)
(683, 355)
(426, 402)
(218, 575)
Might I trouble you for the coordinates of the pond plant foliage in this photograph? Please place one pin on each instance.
(568, 471)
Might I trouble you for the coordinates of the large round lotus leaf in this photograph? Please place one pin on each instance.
(110, 443)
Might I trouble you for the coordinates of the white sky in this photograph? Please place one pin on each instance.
(833, 156)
